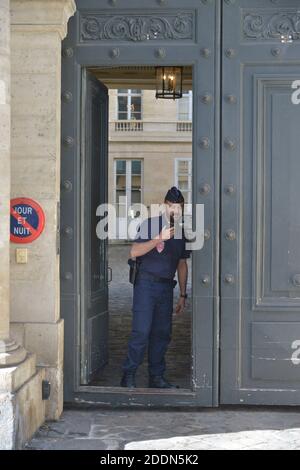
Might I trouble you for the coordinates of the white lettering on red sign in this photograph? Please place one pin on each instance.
(23, 210)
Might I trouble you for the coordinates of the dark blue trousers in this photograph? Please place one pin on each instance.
(151, 325)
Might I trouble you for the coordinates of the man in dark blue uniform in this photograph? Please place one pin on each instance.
(160, 255)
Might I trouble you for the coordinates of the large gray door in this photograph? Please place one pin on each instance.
(260, 232)
(246, 279)
(94, 175)
(137, 33)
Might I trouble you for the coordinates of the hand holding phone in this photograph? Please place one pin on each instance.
(171, 220)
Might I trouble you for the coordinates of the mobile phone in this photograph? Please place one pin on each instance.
(171, 220)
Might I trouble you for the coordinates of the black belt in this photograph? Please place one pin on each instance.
(153, 277)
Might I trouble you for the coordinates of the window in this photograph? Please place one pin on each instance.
(185, 107)
(183, 178)
(129, 105)
(128, 183)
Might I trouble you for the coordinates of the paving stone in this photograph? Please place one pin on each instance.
(251, 440)
(70, 444)
(241, 428)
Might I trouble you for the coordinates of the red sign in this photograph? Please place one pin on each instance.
(27, 220)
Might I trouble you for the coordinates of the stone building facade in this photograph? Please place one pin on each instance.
(160, 142)
(31, 331)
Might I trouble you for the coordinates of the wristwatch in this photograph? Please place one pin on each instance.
(184, 296)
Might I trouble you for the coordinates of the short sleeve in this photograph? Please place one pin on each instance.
(185, 254)
(142, 234)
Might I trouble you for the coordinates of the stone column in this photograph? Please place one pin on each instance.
(19, 415)
(22, 407)
(37, 30)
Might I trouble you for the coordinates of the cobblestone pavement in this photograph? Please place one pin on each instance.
(236, 428)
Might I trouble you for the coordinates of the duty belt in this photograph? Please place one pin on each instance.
(153, 277)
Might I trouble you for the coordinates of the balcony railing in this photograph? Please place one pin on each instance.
(153, 127)
(184, 126)
(129, 126)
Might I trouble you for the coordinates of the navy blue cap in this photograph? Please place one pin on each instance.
(174, 195)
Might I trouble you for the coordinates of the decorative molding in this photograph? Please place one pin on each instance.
(50, 16)
(137, 28)
(270, 24)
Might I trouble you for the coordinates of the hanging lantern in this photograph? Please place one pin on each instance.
(169, 82)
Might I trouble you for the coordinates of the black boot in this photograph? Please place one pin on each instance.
(158, 381)
(128, 380)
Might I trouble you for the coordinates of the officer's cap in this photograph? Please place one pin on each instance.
(174, 195)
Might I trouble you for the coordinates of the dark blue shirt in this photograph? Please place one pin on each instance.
(162, 264)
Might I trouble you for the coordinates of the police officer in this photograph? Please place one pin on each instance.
(160, 255)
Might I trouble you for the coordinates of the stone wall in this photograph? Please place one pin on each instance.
(22, 408)
(38, 28)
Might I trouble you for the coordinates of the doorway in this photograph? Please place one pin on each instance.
(187, 138)
(149, 150)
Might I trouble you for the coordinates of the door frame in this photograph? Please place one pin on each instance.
(202, 51)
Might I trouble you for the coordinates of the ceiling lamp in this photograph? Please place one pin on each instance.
(169, 82)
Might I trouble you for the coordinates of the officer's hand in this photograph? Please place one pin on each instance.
(166, 233)
(180, 307)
